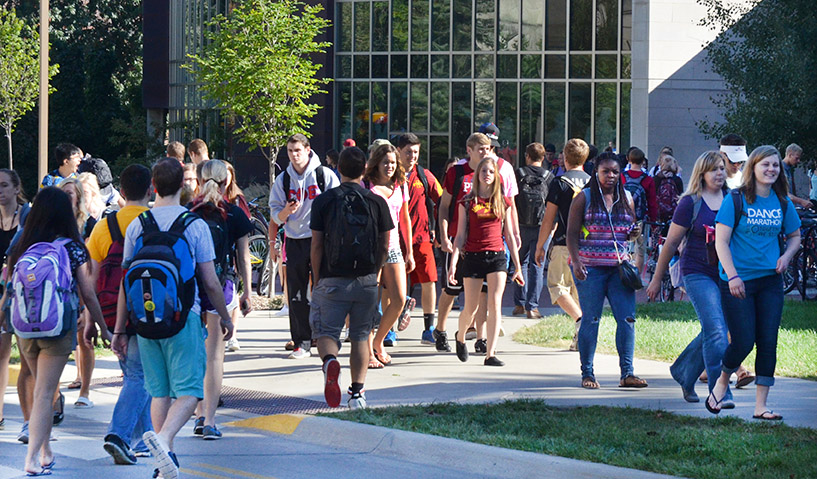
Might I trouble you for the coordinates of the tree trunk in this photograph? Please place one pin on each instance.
(8, 137)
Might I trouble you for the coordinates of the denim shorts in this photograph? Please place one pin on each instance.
(174, 366)
(335, 298)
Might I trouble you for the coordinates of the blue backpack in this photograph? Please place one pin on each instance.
(639, 194)
(160, 282)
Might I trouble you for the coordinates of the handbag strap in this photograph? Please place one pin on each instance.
(612, 232)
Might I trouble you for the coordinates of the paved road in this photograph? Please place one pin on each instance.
(261, 382)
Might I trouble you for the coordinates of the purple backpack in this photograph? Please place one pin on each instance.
(42, 291)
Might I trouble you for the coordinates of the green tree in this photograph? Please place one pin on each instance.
(257, 68)
(766, 53)
(19, 72)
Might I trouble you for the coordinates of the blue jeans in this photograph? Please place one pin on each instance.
(131, 414)
(706, 350)
(754, 321)
(528, 296)
(604, 282)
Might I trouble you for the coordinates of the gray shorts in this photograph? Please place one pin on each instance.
(334, 298)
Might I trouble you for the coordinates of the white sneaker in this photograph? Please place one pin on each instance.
(161, 453)
(282, 312)
(357, 401)
(232, 345)
(299, 353)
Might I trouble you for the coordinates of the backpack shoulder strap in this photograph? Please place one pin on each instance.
(586, 192)
(285, 179)
(696, 208)
(521, 172)
(459, 175)
(113, 228)
(320, 178)
(737, 204)
(784, 206)
(182, 222)
(148, 222)
(421, 174)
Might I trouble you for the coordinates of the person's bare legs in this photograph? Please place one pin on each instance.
(569, 306)
(761, 394)
(428, 297)
(46, 371)
(444, 309)
(394, 277)
(496, 286)
(5, 356)
(25, 388)
(168, 418)
(481, 316)
(472, 287)
(85, 358)
(214, 375)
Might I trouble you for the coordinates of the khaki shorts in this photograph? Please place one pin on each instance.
(63, 346)
(560, 278)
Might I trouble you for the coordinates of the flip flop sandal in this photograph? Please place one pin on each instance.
(405, 315)
(768, 415)
(590, 382)
(711, 408)
(83, 403)
(375, 364)
(745, 380)
(42, 472)
(75, 384)
(379, 358)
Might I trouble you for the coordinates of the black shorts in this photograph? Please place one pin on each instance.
(448, 288)
(481, 264)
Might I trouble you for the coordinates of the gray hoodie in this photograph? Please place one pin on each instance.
(303, 188)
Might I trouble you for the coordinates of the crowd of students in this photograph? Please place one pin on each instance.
(164, 286)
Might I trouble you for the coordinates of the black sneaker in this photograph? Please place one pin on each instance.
(481, 346)
(198, 426)
(441, 342)
(120, 451)
(462, 350)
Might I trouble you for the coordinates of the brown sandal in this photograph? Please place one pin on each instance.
(75, 384)
(589, 382)
(632, 381)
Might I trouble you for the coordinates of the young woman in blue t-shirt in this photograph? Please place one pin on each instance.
(751, 286)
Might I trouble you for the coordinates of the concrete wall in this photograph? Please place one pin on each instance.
(673, 85)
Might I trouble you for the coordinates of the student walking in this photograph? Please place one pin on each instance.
(600, 225)
(482, 218)
(229, 229)
(386, 177)
(51, 235)
(131, 414)
(167, 253)
(290, 202)
(751, 261)
(345, 267)
(694, 221)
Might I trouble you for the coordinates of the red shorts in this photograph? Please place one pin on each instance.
(425, 268)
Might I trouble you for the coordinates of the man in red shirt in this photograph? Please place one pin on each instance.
(424, 194)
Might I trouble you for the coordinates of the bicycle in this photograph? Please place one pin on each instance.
(259, 247)
(802, 270)
(655, 242)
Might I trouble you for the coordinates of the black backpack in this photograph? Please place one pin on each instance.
(219, 231)
(639, 194)
(533, 190)
(351, 248)
(430, 204)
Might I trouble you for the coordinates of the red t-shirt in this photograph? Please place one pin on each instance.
(484, 228)
(417, 204)
(448, 186)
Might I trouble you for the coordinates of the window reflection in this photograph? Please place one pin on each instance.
(344, 66)
(440, 26)
(626, 64)
(361, 113)
(483, 103)
(626, 25)
(484, 25)
(606, 24)
(438, 154)
(380, 26)
(579, 111)
(399, 66)
(506, 115)
(439, 66)
(556, 28)
(531, 66)
(554, 66)
(343, 24)
(380, 66)
(361, 66)
(508, 36)
(419, 106)
(506, 66)
(581, 66)
(461, 66)
(461, 119)
(581, 24)
(625, 115)
(530, 105)
(533, 18)
(419, 66)
(605, 113)
(555, 113)
(362, 27)
(439, 106)
(606, 66)
(380, 109)
(483, 66)
(462, 13)
(419, 25)
(399, 25)
(398, 111)
(344, 92)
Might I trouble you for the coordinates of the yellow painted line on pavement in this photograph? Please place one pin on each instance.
(234, 472)
(201, 474)
(280, 423)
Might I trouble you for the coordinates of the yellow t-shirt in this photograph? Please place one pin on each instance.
(100, 240)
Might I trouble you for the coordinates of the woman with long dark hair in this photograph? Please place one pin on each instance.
(52, 218)
(599, 228)
(751, 262)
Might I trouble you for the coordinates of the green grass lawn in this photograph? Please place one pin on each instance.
(663, 330)
(712, 448)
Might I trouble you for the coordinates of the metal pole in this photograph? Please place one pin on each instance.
(42, 162)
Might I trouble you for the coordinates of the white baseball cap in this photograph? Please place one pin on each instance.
(735, 153)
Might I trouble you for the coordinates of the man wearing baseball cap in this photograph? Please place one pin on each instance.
(733, 146)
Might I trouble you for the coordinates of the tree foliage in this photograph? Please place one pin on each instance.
(19, 72)
(766, 53)
(258, 68)
(97, 104)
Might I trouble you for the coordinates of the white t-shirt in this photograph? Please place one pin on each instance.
(197, 234)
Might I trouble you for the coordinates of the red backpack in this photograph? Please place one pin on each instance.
(667, 195)
(110, 273)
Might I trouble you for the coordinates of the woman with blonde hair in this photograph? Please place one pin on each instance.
(386, 177)
(480, 225)
(230, 229)
(75, 192)
(233, 194)
(751, 262)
